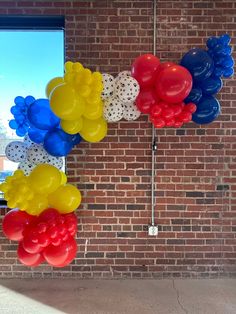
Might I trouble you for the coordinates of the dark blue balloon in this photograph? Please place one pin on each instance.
(58, 143)
(224, 39)
(36, 135)
(228, 62)
(21, 131)
(211, 85)
(212, 42)
(199, 63)
(228, 72)
(218, 71)
(194, 96)
(207, 110)
(41, 116)
(76, 139)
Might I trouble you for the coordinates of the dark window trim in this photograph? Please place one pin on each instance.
(3, 202)
(32, 22)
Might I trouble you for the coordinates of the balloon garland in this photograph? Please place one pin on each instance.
(79, 106)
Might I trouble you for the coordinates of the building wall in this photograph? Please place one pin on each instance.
(195, 166)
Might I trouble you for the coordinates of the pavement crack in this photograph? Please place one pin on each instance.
(178, 298)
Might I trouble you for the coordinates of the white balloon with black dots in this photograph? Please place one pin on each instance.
(36, 154)
(16, 151)
(127, 89)
(113, 109)
(108, 86)
(131, 112)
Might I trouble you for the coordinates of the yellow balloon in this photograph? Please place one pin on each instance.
(68, 66)
(93, 112)
(65, 199)
(63, 178)
(87, 76)
(45, 179)
(94, 98)
(66, 103)
(37, 205)
(77, 67)
(94, 130)
(97, 76)
(72, 127)
(52, 84)
(83, 90)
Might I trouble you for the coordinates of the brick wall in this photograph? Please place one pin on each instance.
(195, 166)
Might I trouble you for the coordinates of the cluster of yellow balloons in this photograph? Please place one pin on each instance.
(76, 100)
(45, 187)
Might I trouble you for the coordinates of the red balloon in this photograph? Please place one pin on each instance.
(165, 65)
(168, 113)
(61, 255)
(156, 111)
(48, 215)
(14, 223)
(177, 109)
(185, 116)
(178, 123)
(71, 222)
(146, 100)
(31, 247)
(27, 258)
(173, 84)
(170, 122)
(191, 107)
(159, 123)
(144, 69)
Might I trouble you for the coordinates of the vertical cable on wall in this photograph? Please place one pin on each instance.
(154, 145)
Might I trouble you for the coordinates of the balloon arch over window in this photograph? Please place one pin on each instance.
(78, 107)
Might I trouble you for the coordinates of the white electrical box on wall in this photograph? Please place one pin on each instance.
(152, 230)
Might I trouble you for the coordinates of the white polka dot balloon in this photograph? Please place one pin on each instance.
(108, 86)
(36, 154)
(113, 109)
(55, 161)
(131, 112)
(122, 75)
(127, 89)
(26, 167)
(16, 151)
(27, 140)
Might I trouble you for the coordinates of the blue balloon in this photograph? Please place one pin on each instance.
(228, 62)
(218, 71)
(29, 100)
(194, 96)
(76, 139)
(21, 131)
(19, 100)
(41, 116)
(13, 124)
(58, 143)
(228, 72)
(212, 42)
(207, 110)
(199, 63)
(36, 135)
(224, 39)
(211, 85)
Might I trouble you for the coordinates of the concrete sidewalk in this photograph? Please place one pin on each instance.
(48, 296)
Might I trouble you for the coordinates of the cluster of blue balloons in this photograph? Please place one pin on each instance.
(20, 123)
(42, 126)
(207, 68)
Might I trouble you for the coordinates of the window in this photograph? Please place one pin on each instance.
(31, 53)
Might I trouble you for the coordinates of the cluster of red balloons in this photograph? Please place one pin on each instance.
(163, 90)
(47, 237)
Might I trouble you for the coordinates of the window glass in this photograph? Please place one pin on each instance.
(28, 60)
